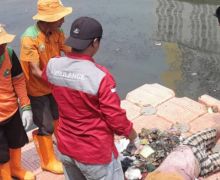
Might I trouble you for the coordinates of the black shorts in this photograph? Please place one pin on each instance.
(12, 135)
(45, 111)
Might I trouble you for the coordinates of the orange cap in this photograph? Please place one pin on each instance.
(51, 10)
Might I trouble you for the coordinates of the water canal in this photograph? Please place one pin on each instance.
(172, 42)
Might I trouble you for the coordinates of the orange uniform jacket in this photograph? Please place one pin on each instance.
(12, 85)
(36, 47)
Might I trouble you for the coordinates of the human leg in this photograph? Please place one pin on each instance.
(17, 138)
(75, 170)
(110, 171)
(200, 143)
(215, 159)
(42, 115)
(115, 170)
(54, 112)
(16, 168)
(5, 172)
(205, 139)
(71, 170)
(4, 149)
(44, 146)
(43, 118)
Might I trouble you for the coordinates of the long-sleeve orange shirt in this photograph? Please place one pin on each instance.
(12, 85)
(36, 47)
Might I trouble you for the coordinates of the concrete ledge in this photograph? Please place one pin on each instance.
(210, 101)
(150, 94)
(181, 110)
(149, 122)
(132, 111)
(161, 109)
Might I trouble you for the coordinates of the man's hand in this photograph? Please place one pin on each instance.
(134, 146)
(27, 118)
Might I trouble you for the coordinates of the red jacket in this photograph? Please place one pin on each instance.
(89, 108)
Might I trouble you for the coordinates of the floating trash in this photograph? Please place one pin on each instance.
(157, 43)
(194, 74)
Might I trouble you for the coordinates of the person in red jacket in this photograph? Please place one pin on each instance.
(12, 132)
(89, 108)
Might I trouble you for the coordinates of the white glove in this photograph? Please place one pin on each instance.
(27, 119)
(137, 142)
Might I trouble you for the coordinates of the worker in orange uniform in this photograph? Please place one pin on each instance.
(39, 43)
(12, 132)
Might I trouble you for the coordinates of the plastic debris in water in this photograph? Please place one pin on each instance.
(157, 43)
(194, 74)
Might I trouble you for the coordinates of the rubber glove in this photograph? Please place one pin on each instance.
(27, 118)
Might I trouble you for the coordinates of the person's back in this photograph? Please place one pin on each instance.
(77, 91)
(89, 107)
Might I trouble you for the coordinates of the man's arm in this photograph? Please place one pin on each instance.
(133, 135)
(35, 69)
(29, 57)
(18, 81)
(114, 115)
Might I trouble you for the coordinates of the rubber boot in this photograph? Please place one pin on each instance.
(5, 172)
(44, 146)
(15, 165)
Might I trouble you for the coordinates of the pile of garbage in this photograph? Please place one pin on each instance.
(156, 146)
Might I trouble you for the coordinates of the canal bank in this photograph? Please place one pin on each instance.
(150, 106)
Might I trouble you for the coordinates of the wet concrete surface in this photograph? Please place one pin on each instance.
(172, 42)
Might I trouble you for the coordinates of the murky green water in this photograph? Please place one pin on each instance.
(172, 42)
